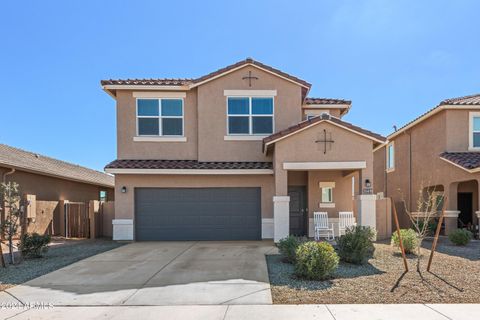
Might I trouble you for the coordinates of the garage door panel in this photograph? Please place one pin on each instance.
(197, 213)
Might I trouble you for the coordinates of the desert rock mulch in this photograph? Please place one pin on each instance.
(454, 278)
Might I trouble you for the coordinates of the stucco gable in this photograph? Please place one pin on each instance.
(308, 124)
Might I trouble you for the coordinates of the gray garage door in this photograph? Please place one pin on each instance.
(197, 214)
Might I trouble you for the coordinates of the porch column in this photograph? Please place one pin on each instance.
(281, 205)
(451, 212)
(366, 210)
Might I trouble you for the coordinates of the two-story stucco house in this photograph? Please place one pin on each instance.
(241, 153)
(438, 151)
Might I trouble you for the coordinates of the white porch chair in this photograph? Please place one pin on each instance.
(322, 227)
(346, 219)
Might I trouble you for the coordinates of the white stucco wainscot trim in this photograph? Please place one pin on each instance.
(281, 217)
(122, 229)
(267, 228)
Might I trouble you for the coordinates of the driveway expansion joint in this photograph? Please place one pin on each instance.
(162, 268)
(437, 311)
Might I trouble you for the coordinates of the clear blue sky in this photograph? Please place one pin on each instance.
(394, 59)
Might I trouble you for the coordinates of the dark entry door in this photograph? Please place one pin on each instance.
(298, 210)
(465, 207)
(198, 214)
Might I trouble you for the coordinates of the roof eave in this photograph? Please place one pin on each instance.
(474, 170)
(265, 145)
(193, 85)
(432, 112)
(58, 176)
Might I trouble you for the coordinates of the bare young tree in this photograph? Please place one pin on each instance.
(429, 204)
(13, 212)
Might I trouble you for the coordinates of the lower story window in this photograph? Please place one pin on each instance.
(327, 194)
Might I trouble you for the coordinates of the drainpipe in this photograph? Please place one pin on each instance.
(4, 179)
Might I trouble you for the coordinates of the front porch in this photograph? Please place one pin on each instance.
(462, 204)
(311, 187)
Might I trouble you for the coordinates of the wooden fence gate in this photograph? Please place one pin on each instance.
(77, 224)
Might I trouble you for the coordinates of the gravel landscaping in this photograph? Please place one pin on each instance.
(60, 254)
(454, 278)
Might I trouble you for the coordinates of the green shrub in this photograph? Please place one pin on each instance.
(288, 246)
(432, 226)
(316, 260)
(409, 240)
(356, 246)
(460, 237)
(34, 245)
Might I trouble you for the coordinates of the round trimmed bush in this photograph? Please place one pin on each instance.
(315, 260)
(460, 237)
(409, 240)
(356, 246)
(288, 246)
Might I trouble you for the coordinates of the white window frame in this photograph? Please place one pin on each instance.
(387, 160)
(472, 115)
(160, 117)
(329, 194)
(250, 116)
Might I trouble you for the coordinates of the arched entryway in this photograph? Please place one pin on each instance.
(467, 203)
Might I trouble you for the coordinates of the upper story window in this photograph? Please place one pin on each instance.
(474, 138)
(250, 115)
(160, 117)
(390, 156)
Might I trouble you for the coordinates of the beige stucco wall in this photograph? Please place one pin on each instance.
(53, 189)
(205, 121)
(457, 130)
(315, 111)
(212, 119)
(46, 218)
(302, 147)
(444, 131)
(127, 130)
(342, 193)
(124, 202)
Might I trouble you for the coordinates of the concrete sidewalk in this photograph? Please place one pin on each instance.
(277, 312)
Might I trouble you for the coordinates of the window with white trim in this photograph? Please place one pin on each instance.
(160, 117)
(390, 156)
(327, 194)
(474, 130)
(250, 115)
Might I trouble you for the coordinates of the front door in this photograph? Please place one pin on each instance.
(465, 206)
(298, 210)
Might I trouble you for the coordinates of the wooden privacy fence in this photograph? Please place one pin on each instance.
(77, 224)
(91, 219)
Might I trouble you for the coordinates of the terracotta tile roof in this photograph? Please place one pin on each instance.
(470, 100)
(34, 162)
(473, 99)
(185, 164)
(172, 82)
(310, 100)
(255, 63)
(467, 160)
(323, 117)
(147, 82)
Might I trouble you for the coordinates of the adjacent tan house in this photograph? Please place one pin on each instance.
(49, 181)
(239, 154)
(438, 151)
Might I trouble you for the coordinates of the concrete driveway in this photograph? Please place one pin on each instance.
(156, 274)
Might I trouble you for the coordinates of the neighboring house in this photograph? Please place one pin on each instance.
(50, 179)
(239, 154)
(438, 151)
